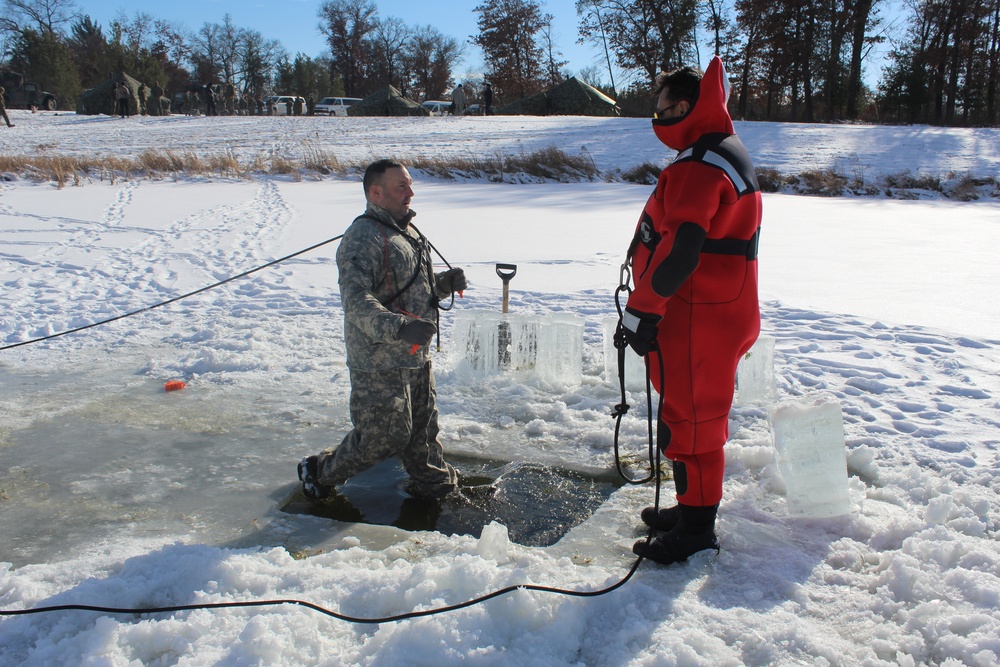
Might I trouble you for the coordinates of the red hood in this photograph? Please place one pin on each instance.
(708, 115)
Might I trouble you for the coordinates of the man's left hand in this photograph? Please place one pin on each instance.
(454, 280)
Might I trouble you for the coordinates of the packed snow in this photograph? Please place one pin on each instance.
(116, 493)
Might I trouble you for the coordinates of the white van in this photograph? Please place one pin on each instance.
(437, 107)
(335, 106)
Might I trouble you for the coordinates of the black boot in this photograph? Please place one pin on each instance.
(694, 532)
(309, 474)
(663, 519)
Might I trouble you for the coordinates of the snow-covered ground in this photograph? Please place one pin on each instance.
(116, 493)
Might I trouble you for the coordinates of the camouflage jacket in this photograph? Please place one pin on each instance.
(376, 259)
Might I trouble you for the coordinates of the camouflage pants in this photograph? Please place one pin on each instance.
(394, 414)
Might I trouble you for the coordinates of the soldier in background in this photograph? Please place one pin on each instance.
(3, 106)
(157, 94)
(143, 94)
(458, 100)
(230, 93)
(124, 95)
(390, 295)
(210, 109)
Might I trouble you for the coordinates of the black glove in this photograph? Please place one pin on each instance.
(453, 280)
(640, 330)
(417, 332)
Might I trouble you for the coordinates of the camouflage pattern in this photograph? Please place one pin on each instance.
(3, 108)
(572, 97)
(376, 259)
(387, 102)
(99, 99)
(394, 414)
(393, 395)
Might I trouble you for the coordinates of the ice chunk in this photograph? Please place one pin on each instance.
(811, 456)
(635, 366)
(755, 374)
(494, 543)
(550, 346)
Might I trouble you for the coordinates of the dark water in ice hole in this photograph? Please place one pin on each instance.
(537, 503)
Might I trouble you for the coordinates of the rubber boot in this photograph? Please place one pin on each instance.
(694, 532)
(663, 519)
(309, 474)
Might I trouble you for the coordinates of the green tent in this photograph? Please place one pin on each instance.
(572, 97)
(386, 102)
(97, 100)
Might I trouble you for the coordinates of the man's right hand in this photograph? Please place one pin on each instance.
(417, 332)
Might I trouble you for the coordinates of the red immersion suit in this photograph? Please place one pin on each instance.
(710, 321)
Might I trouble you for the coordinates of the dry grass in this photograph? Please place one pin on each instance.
(544, 165)
(646, 173)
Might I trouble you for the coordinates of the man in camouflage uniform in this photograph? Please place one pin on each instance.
(3, 106)
(390, 294)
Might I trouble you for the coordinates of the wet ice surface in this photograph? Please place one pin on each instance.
(112, 458)
(104, 451)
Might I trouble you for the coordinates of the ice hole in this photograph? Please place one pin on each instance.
(537, 503)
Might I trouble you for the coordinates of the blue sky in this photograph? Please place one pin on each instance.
(294, 22)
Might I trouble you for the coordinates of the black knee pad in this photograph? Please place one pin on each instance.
(663, 436)
(680, 477)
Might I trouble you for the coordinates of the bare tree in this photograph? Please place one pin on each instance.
(346, 25)
(388, 45)
(592, 29)
(43, 16)
(508, 32)
(430, 59)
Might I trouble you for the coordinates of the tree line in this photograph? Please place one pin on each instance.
(789, 60)
(804, 60)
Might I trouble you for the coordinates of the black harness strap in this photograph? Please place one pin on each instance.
(420, 246)
(740, 247)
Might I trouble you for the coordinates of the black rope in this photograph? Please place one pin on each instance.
(174, 300)
(324, 610)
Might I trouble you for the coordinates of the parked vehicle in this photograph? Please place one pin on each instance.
(19, 94)
(335, 106)
(284, 105)
(437, 107)
(473, 110)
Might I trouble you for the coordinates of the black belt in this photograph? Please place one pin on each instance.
(742, 247)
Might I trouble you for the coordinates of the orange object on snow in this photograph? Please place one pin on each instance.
(174, 385)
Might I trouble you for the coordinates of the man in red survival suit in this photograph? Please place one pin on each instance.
(694, 306)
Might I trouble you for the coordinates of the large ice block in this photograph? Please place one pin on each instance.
(550, 346)
(635, 366)
(755, 374)
(812, 457)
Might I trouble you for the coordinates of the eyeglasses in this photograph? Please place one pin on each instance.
(659, 112)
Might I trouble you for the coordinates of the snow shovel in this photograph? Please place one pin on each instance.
(506, 272)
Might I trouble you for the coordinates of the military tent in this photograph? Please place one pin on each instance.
(386, 102)
(97, 100)
(572, 97)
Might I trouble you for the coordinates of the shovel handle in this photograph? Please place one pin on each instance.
(506, 272)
